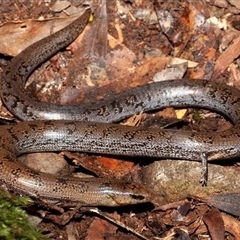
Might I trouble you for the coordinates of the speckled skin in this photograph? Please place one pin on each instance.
(71, 134)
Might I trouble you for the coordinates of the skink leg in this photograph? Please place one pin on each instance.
(204, 178)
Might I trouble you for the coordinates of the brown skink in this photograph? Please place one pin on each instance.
(96, 135)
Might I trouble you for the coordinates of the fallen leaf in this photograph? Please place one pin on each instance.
(16, 36)
(228, 202)
(214, 222)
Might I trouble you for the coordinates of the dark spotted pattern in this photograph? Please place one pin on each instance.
(68, 134)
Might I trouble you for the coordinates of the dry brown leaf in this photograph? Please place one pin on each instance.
(16, 36)
(214, 221)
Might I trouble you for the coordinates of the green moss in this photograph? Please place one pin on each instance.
(14, 222)
(197, 117)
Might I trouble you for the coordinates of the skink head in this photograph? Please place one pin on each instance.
(125, 193)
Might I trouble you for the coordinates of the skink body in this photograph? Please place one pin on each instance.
(86, 128)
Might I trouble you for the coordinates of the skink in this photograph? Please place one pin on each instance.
(86, 128)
